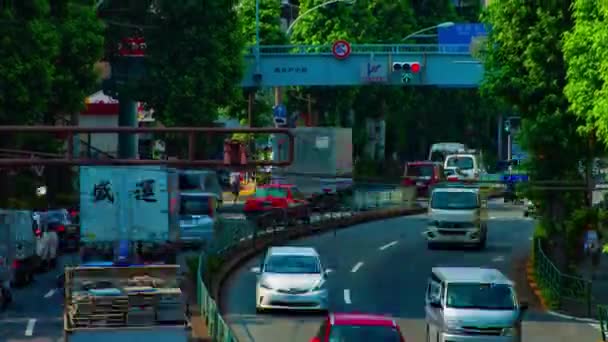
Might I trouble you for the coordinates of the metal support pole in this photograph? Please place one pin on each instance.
(509, 156)
(499, 136)
(257, 36)
(127, 117)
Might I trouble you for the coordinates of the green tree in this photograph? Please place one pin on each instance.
(525, 70)
(29, 47)
(585, 51)
(270, 22)
(194, 60)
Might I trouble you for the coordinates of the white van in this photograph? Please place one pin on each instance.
(471, 304)
(468, 163)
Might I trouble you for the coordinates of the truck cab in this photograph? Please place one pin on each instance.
(457, 215)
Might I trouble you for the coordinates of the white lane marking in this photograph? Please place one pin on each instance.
(578, 319)
(50, 293)
(595, 326)
(347, 296)
(29, 330)
(388, 245)
(499, 258)
(357, 267)
(493, 218)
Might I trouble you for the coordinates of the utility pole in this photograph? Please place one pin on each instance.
(499, 136)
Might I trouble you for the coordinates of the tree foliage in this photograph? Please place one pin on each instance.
(194, 60)
(270, 22)
(586, 52)
(47, 54)
(525, 70)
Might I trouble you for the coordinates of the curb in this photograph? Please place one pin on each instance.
(534, 286)
(233, 260)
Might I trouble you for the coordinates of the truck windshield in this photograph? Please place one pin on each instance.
(463, 163)
(454, 200)
(480, 296)
(195, 205)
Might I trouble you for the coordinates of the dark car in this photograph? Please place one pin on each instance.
(423, 175)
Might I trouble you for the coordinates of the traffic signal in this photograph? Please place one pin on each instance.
(412, 67)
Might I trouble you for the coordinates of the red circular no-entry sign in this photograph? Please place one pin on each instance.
(341, 49)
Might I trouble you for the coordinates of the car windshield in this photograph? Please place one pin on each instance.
(463, 163)
(480, 296)
(454, 200)
(364, 333)
(195, 205)
(55, 216)
(270, 192)
(292, 264)
(419, 170)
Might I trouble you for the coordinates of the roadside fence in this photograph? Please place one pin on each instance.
(342, 208)
(558, 287)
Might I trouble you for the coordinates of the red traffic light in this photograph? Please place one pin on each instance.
(415, 67)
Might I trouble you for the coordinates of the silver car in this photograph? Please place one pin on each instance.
(291, 278)
(472, 304)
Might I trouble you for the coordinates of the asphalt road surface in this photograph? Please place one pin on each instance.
(382, 267)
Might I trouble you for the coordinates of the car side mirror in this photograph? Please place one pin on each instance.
(328, 271)
(256, 270)
(315, 339)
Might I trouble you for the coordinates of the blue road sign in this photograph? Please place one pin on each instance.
(280, 114)
(459, 34)
(517, 153)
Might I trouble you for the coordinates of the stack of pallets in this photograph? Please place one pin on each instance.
(98, 311)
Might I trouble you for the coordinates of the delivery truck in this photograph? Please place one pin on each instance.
(124, 304)
(136, 204)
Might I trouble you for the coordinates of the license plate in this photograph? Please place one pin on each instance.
(419, 183)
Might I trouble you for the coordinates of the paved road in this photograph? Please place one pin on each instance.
(382, 267)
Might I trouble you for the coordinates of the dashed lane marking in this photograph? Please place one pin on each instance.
(29, 329)
(388, 245)
(357, 267)
(347, 296)
(50, 293)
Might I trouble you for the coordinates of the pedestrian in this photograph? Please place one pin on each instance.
(235, 184)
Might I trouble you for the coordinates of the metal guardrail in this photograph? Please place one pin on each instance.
(602, 316)
(558, 285)
(326, 49)
(233, 232)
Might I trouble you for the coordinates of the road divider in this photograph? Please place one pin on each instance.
(236, 241)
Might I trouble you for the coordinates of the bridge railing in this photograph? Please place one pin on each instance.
(326, 49)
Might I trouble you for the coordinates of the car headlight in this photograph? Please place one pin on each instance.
(509, 331)
(265, 286)
(320, 285)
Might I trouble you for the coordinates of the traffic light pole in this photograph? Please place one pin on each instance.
(509, 151)
(127, 117)
(499, 137)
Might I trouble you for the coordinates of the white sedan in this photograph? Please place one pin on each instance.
(291, 278)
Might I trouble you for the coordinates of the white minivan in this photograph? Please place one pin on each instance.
(469, 164)
(472, 304)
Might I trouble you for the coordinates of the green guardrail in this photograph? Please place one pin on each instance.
(230, 233)
(602, 316)
(218, 329)
(557, 286)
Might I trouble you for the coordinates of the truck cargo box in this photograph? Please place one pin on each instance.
(136, 203)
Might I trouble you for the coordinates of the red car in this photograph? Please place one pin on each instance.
(423, 175)
(355, 327)
(282, 196)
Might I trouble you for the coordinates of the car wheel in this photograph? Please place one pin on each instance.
(259, 310)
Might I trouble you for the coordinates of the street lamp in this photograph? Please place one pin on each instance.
(442, 25)
(348, 2)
